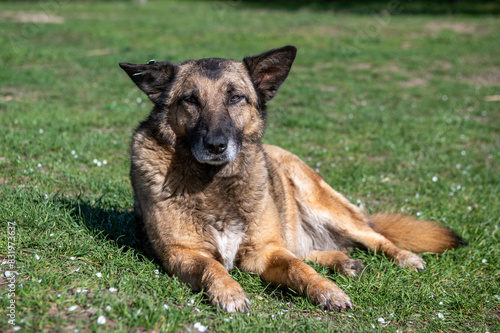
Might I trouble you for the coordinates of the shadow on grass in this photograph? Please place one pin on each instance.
(112, 223)
(483, 7)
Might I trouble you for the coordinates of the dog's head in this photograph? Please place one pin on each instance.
(214, 104)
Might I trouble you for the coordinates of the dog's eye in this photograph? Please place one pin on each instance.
(191, 100)
(235, 99)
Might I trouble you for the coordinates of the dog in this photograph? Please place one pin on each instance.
(209, 196)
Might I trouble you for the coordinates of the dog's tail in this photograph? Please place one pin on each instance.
(416, 235)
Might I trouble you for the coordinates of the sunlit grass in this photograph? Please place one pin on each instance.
(395, 118)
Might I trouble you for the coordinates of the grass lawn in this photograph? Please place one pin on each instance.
(399, 112)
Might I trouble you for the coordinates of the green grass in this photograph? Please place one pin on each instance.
(390, 109)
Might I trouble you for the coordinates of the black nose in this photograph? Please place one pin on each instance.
(215, 144)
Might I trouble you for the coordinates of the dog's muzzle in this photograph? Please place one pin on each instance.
(215, 149)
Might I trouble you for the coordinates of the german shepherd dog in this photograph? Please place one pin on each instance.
(209, 196)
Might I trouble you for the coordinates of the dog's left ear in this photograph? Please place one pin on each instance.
(270, 69)
(152, 78)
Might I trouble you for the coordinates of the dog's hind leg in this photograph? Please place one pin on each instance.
(337, 261)
(329, 220)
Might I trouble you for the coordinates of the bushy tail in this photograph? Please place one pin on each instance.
(416, 235)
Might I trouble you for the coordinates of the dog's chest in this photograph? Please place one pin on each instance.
(228, 242)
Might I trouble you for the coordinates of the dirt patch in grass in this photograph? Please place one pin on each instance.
(30, 17)
(362, 65)
(414, 82)
(462, 27)
(490, 77)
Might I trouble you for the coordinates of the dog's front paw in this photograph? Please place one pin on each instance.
(329, 296)
(409, 259)
(229, 295)
(351, 268)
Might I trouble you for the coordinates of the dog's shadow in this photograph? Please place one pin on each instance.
(111, 222)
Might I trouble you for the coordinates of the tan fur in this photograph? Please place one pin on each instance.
(209, 196)
(416, 235)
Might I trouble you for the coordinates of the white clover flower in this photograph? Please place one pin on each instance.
(99, 274)
(112, 290)
(101, 320)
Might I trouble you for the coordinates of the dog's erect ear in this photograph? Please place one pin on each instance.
(270, 69)
(152, 78)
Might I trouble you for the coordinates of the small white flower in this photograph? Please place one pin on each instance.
(434, 179)
(72, 308)
(463, 153)
(484, 261)
(39, 165)
(108, 308)
(37, 257)
(78, 291)
(418, 213)
(72, 258)
(440, 315)
(104, 162)
(40, 130)
(40, 281)
(51, 235)
(101, 320)
(16, 328)
(99, 275)
(441, 303)
(112, 290)
(381, 320)
(95, 161)
(99, 163)
(166, 307)
(58, 295)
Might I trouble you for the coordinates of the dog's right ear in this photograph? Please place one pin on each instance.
(152, 78)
